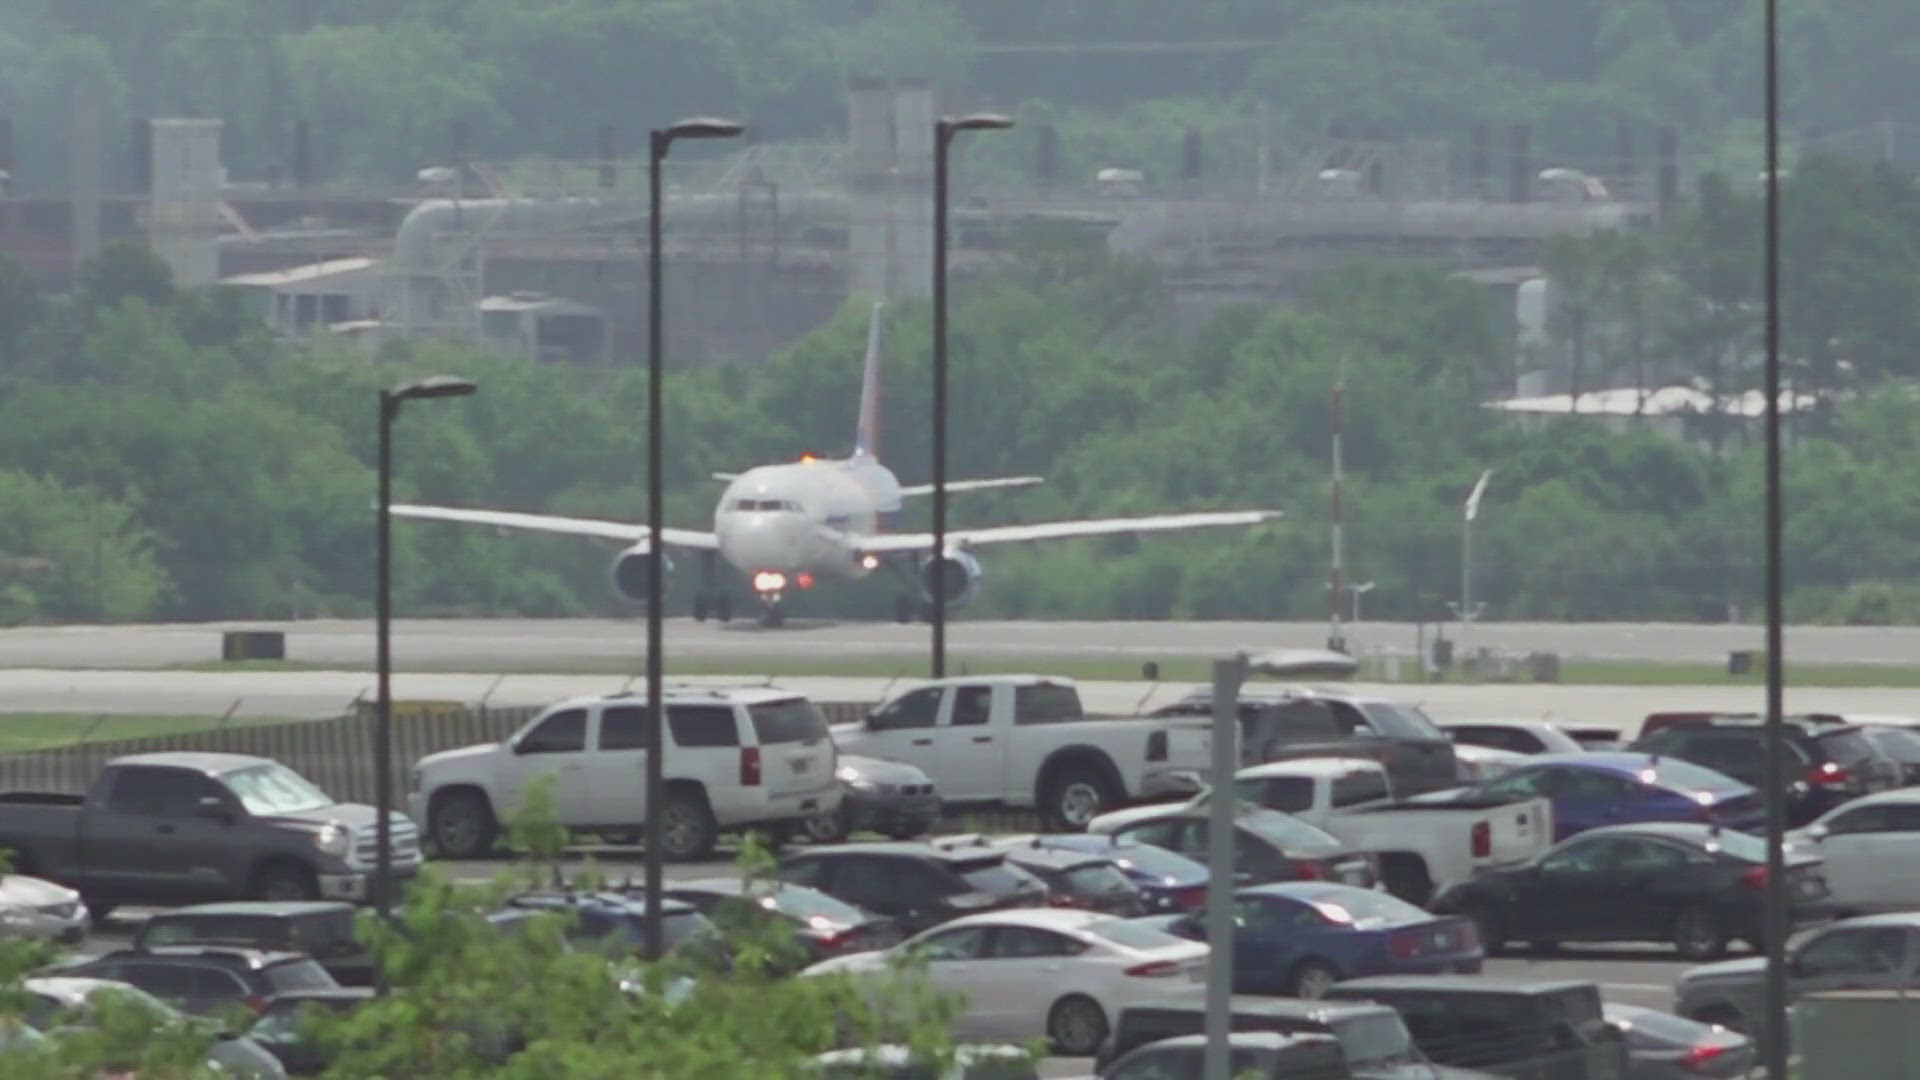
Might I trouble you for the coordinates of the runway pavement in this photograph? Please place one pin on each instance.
(524, 644)
(329, 693)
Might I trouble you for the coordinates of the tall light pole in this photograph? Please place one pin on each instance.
(1774, 915)
(944, 130)
(439, 386)
(660, 141)
(1467, 610)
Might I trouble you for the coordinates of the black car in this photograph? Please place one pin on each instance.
(888, 797)
(1828, 762)
(1268, 846)
(1373, 1041)
(916, 885)
(1899, 744)
(822, 925)
(208, 978)
(1074, 879)
(1292, 722)
(1527, 1029)
(616, 923)
(283, 1027)
(1695, 885)
(323, 929)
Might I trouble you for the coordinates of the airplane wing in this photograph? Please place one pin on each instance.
(1061, 530)
(606, 530)
(977, 485)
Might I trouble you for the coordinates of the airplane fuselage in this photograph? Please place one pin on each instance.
(804, 517)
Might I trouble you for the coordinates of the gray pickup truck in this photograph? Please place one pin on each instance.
(187, 828)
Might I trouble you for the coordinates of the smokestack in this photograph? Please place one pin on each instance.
(302, 154)
(607, 171)
(142, 155)
(1520, 171)
(1480, 162)
(1629, 167)
(1376, 168)
(1190, 165)
(1669, 169)
(1046, 153)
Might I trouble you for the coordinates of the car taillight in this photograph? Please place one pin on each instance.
(1157, 746)
(1755, 878)
(1827, 775)
(749, 766)
(1157, 969)
(1482, 840)
(1698, 1057)
(1309, 871)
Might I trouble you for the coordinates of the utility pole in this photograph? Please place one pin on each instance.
(1336, 641)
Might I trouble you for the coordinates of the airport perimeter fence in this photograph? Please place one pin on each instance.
(337, 752)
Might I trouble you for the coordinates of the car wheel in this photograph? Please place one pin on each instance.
(461, 825)
(687, 830)
(1075, 797)
(828, 828)
(1076, 1026)
(1698, 934)
(1487, 925)
(284, 881)
(1311, 979)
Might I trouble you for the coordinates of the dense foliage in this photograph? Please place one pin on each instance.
(383, 82)
(165, 458)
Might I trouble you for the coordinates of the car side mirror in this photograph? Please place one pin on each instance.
(214, 808)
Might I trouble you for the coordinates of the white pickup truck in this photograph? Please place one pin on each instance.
(1420, 852)
(1025, 741)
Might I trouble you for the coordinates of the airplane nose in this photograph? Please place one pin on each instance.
(761, 542)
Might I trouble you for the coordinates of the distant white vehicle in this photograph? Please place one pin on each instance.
(1519, 736)
(1870, 846)
(1026, 741)
(1058, 974)
(735, 757)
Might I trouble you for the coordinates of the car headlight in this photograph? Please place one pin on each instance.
(333, 838)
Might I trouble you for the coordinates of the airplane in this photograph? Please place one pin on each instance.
(793, 523)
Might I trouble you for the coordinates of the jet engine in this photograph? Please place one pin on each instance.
(630, 571)
(962, 573)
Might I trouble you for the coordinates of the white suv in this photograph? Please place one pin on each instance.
(734, 758)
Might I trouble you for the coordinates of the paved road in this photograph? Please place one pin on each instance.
(1638, 976)
(329, 693)
(525, 644)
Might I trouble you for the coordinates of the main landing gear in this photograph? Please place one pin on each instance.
(711, 601)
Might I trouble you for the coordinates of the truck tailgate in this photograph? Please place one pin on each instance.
(1519, 831)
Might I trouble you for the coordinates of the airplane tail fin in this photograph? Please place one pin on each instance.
(866, 437)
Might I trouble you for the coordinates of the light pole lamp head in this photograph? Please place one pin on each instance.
(946, 126)
(698, 127)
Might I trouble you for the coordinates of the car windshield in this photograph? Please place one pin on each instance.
(1131, 935)
(299, 975)
(1289, 793)
(803, 903)
(1402, 721)
(1365, 905)
(994, 876)
(266, 790)
(1288, 833)
(1686, 776)
(790, 721)
(1374, 1040)
(1742, 846)
(1155, 861)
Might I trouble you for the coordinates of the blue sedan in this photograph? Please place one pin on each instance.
(1589, 790)
(1297, 938)
(1168, 882)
